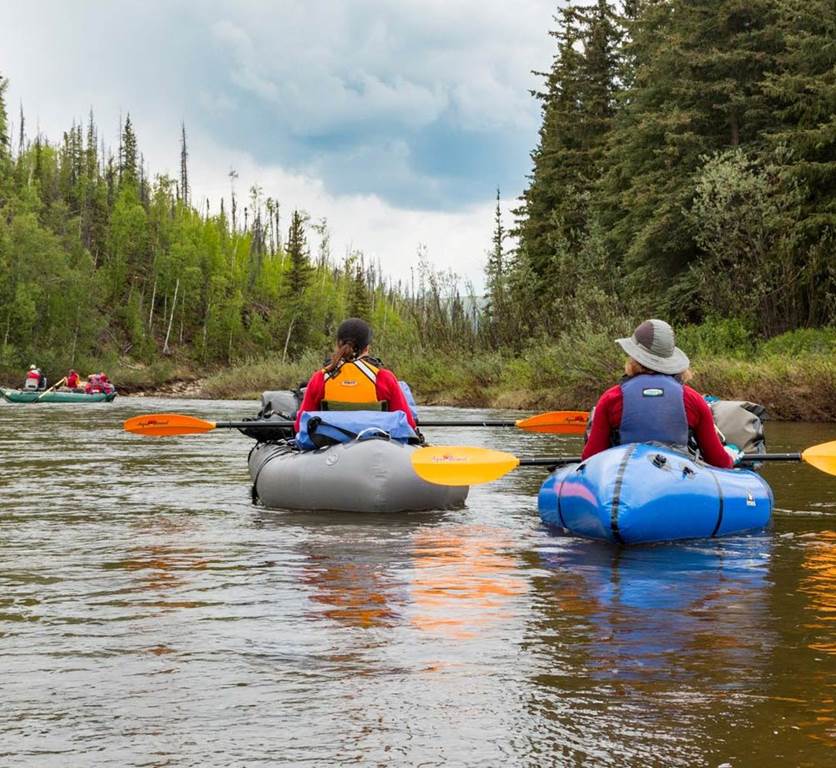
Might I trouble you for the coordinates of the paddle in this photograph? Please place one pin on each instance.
(56, 384)
(466, 465)
(168, 424)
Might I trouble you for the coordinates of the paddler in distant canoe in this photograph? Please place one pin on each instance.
(352, 380)
(35, 379)
(653, 402)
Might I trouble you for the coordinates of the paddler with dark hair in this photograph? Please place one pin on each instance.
(353, 381)
(653, 402)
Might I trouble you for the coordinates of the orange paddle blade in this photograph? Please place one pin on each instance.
(167, 424)
(461, 465)
(822, 457)
(556, 422)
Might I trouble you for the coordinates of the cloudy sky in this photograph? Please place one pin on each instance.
(394, 120)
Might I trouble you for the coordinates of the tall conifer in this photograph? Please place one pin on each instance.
(5, 156)
(578, 108)
(695, 88)
(128, 170)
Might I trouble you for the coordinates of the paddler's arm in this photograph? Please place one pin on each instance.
(701, 420)
(390, 391)
(606, 418)
(314, 393)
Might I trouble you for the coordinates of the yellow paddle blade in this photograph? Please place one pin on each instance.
(166, 425)
(461, 465)
(822, 457)
(556, 422)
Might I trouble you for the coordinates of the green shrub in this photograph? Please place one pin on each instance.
(802, 341)
(722, 337)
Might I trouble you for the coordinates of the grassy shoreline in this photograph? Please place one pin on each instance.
(798, 387)
(793, 375)
(803, 389)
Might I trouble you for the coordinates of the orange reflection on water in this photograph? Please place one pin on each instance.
(355, 593)
(819, 584)
(163, 567)
(464, 580)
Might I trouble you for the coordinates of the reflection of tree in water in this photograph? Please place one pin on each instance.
(464, 580)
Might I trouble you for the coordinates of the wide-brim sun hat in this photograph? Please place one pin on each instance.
(653, 345)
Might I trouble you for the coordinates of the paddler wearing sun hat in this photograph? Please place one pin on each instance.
(653, 402)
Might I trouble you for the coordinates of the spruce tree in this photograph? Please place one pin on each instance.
(578, 108)
(359, 298)
(495, 280)
(128, 171)
(695, 88)
(294, 300)
(5, 154)
(184, 167)
(803, 90)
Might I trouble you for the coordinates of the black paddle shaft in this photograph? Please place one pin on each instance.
(749, 458)
(268, 424)
(550, 461)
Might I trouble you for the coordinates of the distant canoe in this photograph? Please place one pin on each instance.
(21, 396)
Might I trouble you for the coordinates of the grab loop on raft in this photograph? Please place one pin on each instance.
(372, 433)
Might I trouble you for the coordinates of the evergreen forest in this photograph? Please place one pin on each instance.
(685, 169)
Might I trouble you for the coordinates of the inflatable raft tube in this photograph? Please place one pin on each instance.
(366, 476)
(645, 492)
(56, 396)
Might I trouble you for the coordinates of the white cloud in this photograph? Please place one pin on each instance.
(314, 101)
(406, 61)
(456, 241)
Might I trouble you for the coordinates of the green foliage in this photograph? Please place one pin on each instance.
(804, 341)
(99, 264)
(719, 337)
(686, 168)
(744, 215)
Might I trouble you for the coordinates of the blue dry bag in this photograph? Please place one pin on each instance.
(319, 429)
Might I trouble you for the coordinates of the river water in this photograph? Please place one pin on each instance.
(150, 615)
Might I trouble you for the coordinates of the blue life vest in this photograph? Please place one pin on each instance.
(319, 429)
(654, 411)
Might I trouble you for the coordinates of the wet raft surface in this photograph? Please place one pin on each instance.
(149, 615)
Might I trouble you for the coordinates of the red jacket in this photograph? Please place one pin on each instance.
(610, 407)
(387, 388)
(72, 380)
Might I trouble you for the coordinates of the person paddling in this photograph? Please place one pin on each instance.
(33, 378)
(653, 403)
(72, 379)
(353, 381)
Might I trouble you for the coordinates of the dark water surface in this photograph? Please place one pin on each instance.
(151, 616)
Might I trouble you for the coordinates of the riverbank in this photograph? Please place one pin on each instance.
(799, 389)
(793, 375)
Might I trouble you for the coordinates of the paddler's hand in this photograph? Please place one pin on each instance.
(734, 452)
